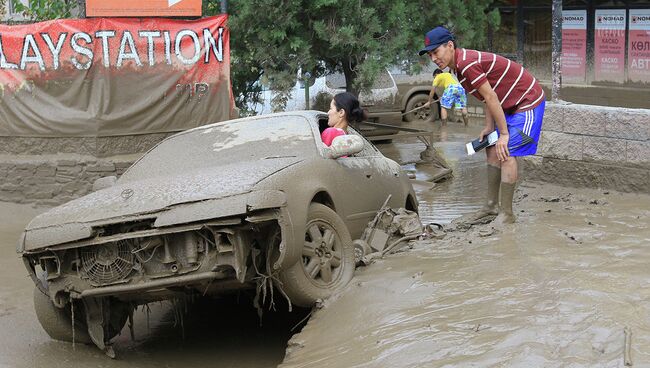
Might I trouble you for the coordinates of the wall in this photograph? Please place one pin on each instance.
(51, 171)
(54, 179)
(593, 146)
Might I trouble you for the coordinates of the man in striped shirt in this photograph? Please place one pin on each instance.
(514, 103)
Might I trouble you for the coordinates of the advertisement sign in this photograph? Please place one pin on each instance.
(574, 45)
(143, 8)
(638, 57)
(100, 77)
(609, 45)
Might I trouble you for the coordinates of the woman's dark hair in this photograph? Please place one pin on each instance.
(436, 72)
(349, 102)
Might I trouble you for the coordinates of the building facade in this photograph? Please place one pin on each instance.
(605, 47)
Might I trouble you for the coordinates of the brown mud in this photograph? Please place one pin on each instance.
(556, 289)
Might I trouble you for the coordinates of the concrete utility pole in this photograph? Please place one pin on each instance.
(521, 32)
(224, 6)
(557, 50)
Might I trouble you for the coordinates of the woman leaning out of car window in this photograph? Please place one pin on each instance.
(344, 109)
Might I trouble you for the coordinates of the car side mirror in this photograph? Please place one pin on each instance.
(345, 145)
(103, 183)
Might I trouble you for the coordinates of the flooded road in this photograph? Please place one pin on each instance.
(554, 290)
(461, 194)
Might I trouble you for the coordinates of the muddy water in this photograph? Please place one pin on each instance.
(224, 333)
(465, 191)
(554, 290)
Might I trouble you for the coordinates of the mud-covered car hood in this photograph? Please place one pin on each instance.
(127, 199)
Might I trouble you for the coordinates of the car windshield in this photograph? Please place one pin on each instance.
(227, 143)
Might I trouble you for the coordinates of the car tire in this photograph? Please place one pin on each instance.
(57, 322)
(326, 266)
(417, 101)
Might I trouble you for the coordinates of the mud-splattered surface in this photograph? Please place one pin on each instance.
(555, 290)
(223, 333)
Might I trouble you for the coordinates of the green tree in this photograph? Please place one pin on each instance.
(39, 10)
(275, 38)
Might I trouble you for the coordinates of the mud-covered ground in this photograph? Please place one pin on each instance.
(556, 289)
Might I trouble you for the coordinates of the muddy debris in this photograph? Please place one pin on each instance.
(518, 297)
(485, 232)
(573, 237)
(598, 202)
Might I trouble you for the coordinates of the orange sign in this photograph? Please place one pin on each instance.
(143, 8)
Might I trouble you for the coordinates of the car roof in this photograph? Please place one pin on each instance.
(310, 115)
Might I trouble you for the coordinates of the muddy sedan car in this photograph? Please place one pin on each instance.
(210, 210)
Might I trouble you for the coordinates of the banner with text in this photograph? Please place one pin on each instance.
(609, 45)
(103, 77)
(574, 45)
(638, 54)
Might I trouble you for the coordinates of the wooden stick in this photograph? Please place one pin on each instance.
(627, 354)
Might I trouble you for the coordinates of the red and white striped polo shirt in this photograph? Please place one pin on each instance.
(515, 87)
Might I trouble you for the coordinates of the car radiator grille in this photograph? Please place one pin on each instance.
(108, 263)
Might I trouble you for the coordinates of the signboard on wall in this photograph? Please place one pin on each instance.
(638, 54)
(113, 76)
(143, 8)
(574, 45)
(609, 45)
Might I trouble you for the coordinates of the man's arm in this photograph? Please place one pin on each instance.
(431, 94)
(496, 111)
(489, 125)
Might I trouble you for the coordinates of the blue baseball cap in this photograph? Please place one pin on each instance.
(435, 38)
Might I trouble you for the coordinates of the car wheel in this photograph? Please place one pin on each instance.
(417, 101)
(327, 262)
(57, 322)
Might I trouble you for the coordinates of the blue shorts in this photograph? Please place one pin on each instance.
(524, 129)
(454, 95)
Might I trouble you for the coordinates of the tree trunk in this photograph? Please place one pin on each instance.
(350, 76)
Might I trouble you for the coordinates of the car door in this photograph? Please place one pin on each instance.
(365, 186)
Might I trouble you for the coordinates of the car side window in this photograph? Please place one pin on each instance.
(383, 80)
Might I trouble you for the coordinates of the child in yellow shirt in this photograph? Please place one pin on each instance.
(452, 96)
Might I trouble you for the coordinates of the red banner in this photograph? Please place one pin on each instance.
(609, 53)
(91, 77)
(574, 45)
(638, 49)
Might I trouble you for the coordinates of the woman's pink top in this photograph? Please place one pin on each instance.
(329, 134)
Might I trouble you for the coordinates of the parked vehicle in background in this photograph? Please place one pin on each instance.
(390, 96)
(413, 92)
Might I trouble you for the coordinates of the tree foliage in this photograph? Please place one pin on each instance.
(276, 38)
(39, 10)
(273, 39)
